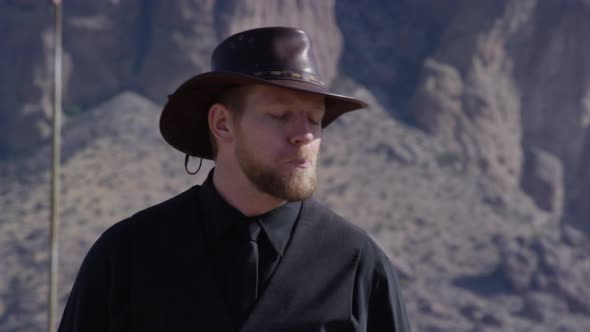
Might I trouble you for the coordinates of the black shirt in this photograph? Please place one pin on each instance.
(223, 225)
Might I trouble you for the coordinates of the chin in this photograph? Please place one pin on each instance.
(300, 185)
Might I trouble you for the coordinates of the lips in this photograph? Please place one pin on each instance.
(301, 163)
(302, 159)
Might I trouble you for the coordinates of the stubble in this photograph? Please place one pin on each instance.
(295, 184)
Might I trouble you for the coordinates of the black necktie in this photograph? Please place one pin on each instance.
(253, 259)
(250, 270)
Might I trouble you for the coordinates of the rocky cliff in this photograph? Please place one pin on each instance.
(146, 46)
(510, 95)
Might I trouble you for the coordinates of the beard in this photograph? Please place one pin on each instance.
(295, 185)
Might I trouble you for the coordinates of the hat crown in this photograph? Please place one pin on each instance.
(268, 53)
(275, 56)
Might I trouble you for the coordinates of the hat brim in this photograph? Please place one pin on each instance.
(184, 123)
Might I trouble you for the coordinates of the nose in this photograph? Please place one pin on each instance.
(302, 132)
(303, 139)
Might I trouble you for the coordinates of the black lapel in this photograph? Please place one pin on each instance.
(181, 272)
(319, 262)
(206, 292)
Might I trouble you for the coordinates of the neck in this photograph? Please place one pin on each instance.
(239, 192)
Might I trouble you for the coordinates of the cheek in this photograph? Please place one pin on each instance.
(315, 145)
(266, 145)
(257, 135)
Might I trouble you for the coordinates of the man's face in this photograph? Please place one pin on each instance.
(277, 142)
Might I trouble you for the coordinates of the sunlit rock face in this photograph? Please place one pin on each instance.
(508, 75)
(146, 46)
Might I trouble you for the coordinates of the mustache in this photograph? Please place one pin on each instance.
(304, 154)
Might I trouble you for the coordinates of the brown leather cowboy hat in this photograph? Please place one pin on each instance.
(276, 56)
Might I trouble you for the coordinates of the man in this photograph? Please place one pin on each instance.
(249, 250)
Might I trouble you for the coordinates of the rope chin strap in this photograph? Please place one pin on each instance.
(186, 165)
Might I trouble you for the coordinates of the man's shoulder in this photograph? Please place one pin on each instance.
(371, 252)
(182, 203)
(331, 219)
(319, 209)
(157, 218)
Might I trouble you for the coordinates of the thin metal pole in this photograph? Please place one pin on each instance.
(55, 172)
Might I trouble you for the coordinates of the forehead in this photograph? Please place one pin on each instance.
(271, 95)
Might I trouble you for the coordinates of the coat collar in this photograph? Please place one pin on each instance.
(310, 237)
(220, 218)
(275, 293)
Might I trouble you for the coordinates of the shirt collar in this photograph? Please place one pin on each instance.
(220, 217)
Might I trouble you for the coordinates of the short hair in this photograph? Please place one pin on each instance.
(234, 99)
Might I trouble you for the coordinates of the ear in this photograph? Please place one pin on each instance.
(220, 123)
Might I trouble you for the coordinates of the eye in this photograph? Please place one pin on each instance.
(315, 120)
(278, 116)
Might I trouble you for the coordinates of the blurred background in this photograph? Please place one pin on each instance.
(471, 168)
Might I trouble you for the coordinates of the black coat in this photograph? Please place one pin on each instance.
(151, 273)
